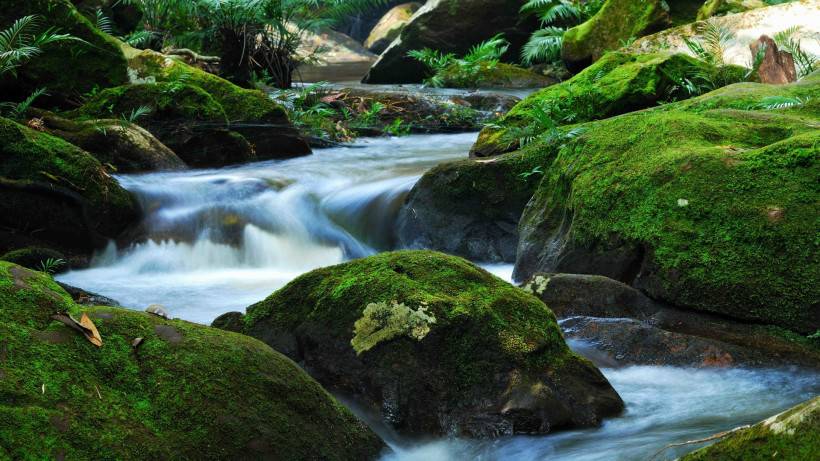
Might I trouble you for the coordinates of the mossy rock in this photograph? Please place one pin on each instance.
(54, 192)
(501, 75)
(185, 391)
(32, 257)
(436, 344)
(67, 69)
(722, 7)
(390, 26)
(791, 435)
(182, 116)
(707, 204)
(121, 144)
(616, 84)
(616, 22)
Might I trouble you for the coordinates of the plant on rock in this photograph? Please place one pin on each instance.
(448, 70)
(556, 16)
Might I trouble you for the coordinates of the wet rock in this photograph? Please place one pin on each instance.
(390, 26)
(230, 321)
(450, 26)
(631, 328)
(436, 345)
(777, 66)
(33, 257)
(88, 298)
(187, 389)
(791, 435)
(468, 208)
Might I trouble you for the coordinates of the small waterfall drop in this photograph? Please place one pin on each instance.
(219, 240)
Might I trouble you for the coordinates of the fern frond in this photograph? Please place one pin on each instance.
(543, 46)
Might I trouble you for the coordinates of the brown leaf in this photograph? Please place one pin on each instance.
(68, 321)
(91, 332)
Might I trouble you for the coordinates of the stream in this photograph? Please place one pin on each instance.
(220, 240)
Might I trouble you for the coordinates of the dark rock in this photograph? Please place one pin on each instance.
(88, 298)
(435, 344)
(230, 321)
(777, 66)
(450, 26)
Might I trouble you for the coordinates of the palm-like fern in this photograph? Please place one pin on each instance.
(711, 47)
(804, 62)
(21, 42)
(447, 69)
(556, 16)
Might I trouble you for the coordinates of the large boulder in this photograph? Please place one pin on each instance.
(791, 435)
(119, 143)
(469, 208)
(332, 56)
(436, 345)
(708, 204)
(746, 27)
(56, 194)
(615, 23)
(250, 113)
(616, 84)
(390, 26)
(67, 69)
(156, 388)
(450, 26)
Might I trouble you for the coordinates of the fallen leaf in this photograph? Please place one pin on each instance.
(91, 332)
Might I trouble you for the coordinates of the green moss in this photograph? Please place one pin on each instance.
(68, 68)
(723, 200)
(791, 435)
(472, 311)
(616, 84)
(187, 391)
(29, 155)
(615, 23)
(173, 102)
(721, 7)
(500, 75)
(32, 257)
(239, 104)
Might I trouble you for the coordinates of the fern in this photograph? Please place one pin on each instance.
(103, 22)
(18, 110)
(804, 62)
(447, 69)
(543, 46)
(19, 43)
(778, 102)
(136, 114)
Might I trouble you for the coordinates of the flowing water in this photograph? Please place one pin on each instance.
(220, 240)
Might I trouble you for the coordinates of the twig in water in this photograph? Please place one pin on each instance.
(719, 435)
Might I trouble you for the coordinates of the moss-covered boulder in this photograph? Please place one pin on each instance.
(56, 194)
(32, 257)
(501, 75)
(616, 84)
(708, 204)
(156, 389)
(616, 22)
(121, 144)
(206, 120)
(452, 26)
(436, 345)
(67, 69)
(792, 435)
(721, 7)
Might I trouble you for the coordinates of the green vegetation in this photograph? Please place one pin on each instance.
(156, 388)
(791, 435)
(465, 72)
(555, 16)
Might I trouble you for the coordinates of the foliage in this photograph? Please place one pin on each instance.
(805, 62)
(778, 102)
(556, 17)
(17, 110)
(712, 46)
(21, 42)
(447, 69)
(51, 265)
